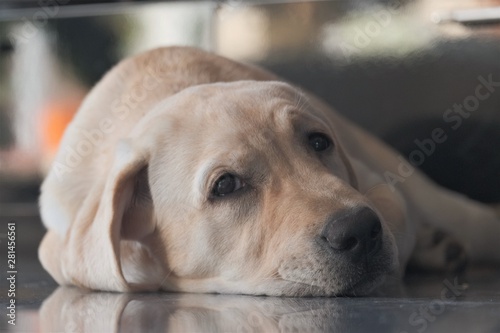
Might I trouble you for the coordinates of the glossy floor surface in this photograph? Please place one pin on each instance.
(424, 304)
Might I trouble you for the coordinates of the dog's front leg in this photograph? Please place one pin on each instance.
(474, 225)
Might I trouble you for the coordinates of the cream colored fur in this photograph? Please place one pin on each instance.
(127, 202)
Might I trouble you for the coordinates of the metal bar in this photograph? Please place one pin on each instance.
(469, 16)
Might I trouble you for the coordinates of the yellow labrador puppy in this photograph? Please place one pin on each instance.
(185, 171)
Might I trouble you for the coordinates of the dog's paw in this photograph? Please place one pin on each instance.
(437, 251)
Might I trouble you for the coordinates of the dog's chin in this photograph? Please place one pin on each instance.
(362, 285)
(348, 281)
(368, 283)
(365, 286)
(342, 279)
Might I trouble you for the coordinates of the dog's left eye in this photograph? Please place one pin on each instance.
(319, 141)
(227, 184)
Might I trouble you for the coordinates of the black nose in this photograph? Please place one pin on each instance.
(356, 233)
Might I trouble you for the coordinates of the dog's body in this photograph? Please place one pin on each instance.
(186, 171)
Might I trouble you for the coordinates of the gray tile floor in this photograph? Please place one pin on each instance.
(424, 304)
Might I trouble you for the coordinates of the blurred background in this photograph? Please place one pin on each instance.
(398, 68)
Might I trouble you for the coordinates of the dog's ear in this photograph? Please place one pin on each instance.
(106, 246)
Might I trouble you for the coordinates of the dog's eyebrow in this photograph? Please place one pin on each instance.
(282, 117)
(232, 162)
(205, 173)
(201, 178)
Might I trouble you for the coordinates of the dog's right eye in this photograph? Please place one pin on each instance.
(319, 142)
(227, 184)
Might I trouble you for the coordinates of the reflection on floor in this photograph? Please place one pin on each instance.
(424, 304)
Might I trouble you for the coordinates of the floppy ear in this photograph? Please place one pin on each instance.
(106, 246)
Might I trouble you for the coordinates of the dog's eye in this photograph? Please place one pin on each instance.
(319, 141)
(227, 184)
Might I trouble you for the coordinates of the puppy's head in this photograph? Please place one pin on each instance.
(242, 188)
